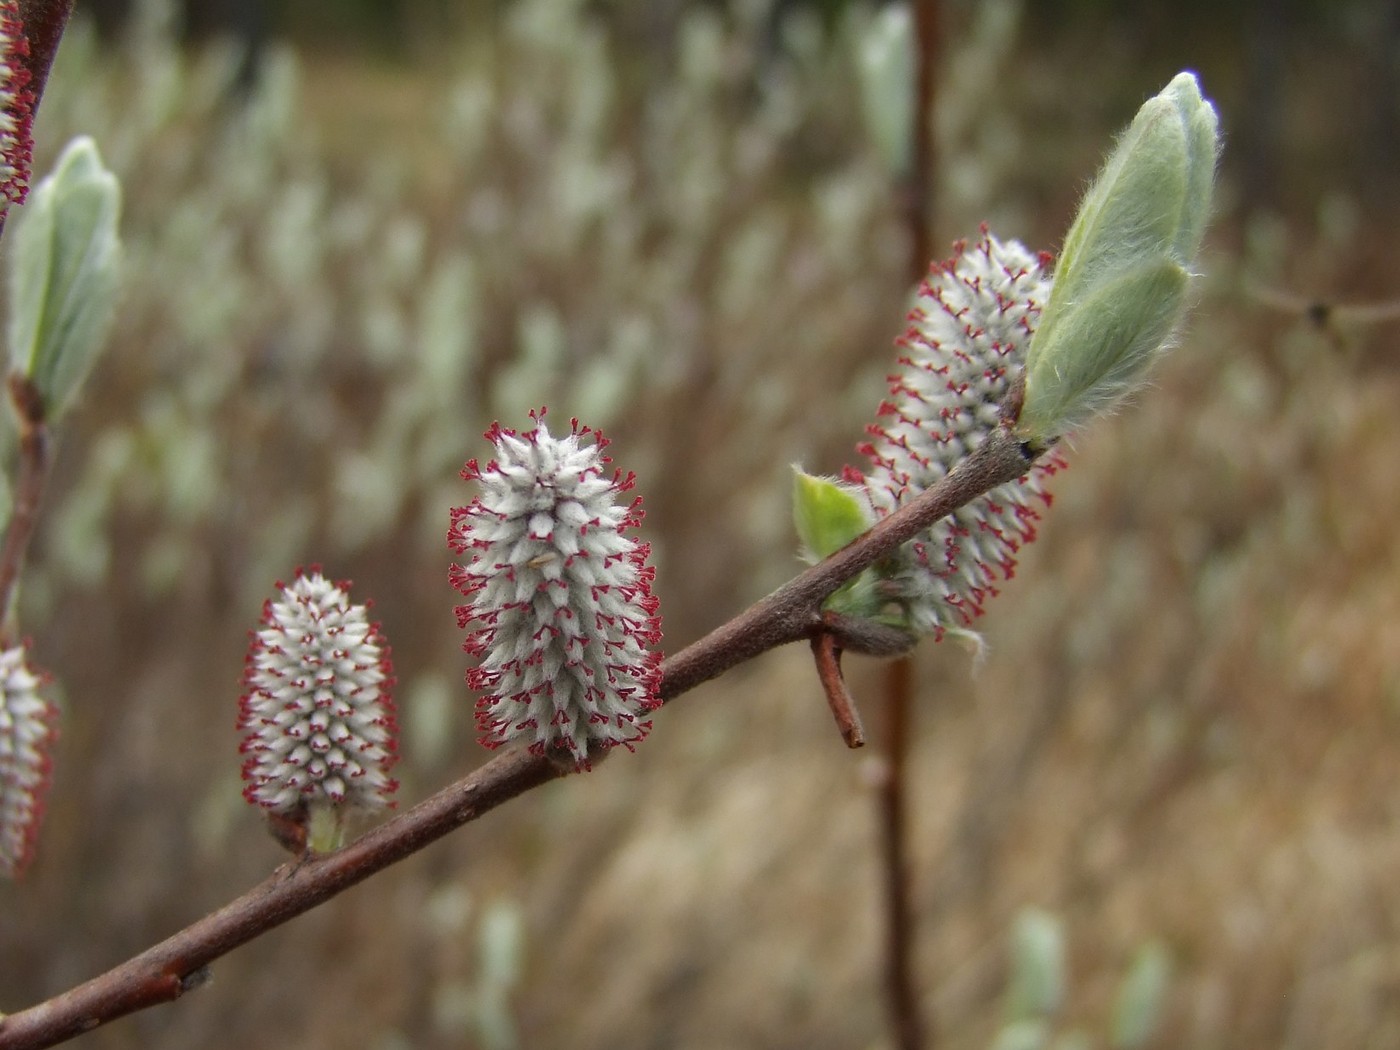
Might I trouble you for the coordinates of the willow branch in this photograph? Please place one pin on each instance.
(43, 24)
(165, 972)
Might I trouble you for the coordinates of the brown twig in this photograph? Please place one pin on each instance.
(843, 708)
(792, 612)
(29, 488)
(917, 188)
(165, 972)
(43, 22)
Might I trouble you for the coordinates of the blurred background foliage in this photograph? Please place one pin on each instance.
(358, 232)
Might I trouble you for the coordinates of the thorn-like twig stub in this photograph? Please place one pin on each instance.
(1014, 399)
(843, 708)
(196, 979)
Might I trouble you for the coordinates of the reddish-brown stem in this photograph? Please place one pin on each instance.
(165, 972)
(843, 708)
(29, 488)
(43, 22)
(900, 983)
(901, 987)
(917, 188)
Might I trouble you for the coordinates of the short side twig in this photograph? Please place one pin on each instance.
(843, 708)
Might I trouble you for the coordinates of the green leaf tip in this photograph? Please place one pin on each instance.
(64, 272)
(1121, 282)
(828, 514)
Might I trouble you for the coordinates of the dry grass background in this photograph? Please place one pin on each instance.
(1185, 727)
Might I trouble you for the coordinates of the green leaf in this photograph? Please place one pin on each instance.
(1120, 281)
(1100, 350)
(828, 515)
(64, 273)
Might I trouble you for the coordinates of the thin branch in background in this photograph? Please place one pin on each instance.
(901, 985)
(919, 186)
(1322, 313)
(828, 657)
(917, 194)
(1338, 323)
(792, 612)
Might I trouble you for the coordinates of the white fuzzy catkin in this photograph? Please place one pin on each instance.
(318, 718)
(965, 344)
(566, 624)
(27, 735)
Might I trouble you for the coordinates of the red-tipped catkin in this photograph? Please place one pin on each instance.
(965, 344)
(16, 109)
(28, 729)
(317, 718)
(566, 627)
